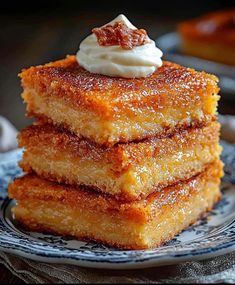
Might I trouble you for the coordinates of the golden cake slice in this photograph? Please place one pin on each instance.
(210, 36)
(128, 171)
(49, 207)
(108, 110)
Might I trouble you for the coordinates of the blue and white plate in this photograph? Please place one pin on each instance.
(212, 236)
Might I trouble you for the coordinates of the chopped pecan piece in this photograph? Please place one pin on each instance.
(120, 34)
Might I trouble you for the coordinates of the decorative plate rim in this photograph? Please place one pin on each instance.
(139, 260)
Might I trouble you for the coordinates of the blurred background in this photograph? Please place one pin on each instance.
(33, 34)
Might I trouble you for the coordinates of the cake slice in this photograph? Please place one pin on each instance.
(128, 171)
(210, 36)
(108, 110)
(49, 207)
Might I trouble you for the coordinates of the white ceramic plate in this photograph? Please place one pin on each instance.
(212, 236)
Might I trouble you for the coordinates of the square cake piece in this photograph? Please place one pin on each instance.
(210, 36)
(49, 207)
(108, 110)
(128, 171)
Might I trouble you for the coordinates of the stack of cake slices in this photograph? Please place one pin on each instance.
(127, 162)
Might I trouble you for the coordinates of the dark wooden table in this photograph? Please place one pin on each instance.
(44, 37)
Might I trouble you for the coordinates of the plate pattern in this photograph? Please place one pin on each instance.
(210, 236)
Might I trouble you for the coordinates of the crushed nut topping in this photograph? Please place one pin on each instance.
(120, 34)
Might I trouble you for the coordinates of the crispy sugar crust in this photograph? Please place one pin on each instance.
(170, 85)
(121, 156)
(53, 208)
(127, 171)
(108, 110)
(33, 187)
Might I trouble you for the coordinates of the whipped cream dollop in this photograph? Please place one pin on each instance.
(113, 60)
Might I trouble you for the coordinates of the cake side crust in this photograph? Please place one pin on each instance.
(127, 171)
(44, 206)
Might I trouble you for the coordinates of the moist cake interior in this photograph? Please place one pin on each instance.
(72, 211)
(108, 110)
(127, 171)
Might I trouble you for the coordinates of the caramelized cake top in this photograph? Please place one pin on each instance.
(33, 187)
(170, 85)
(120, 156)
